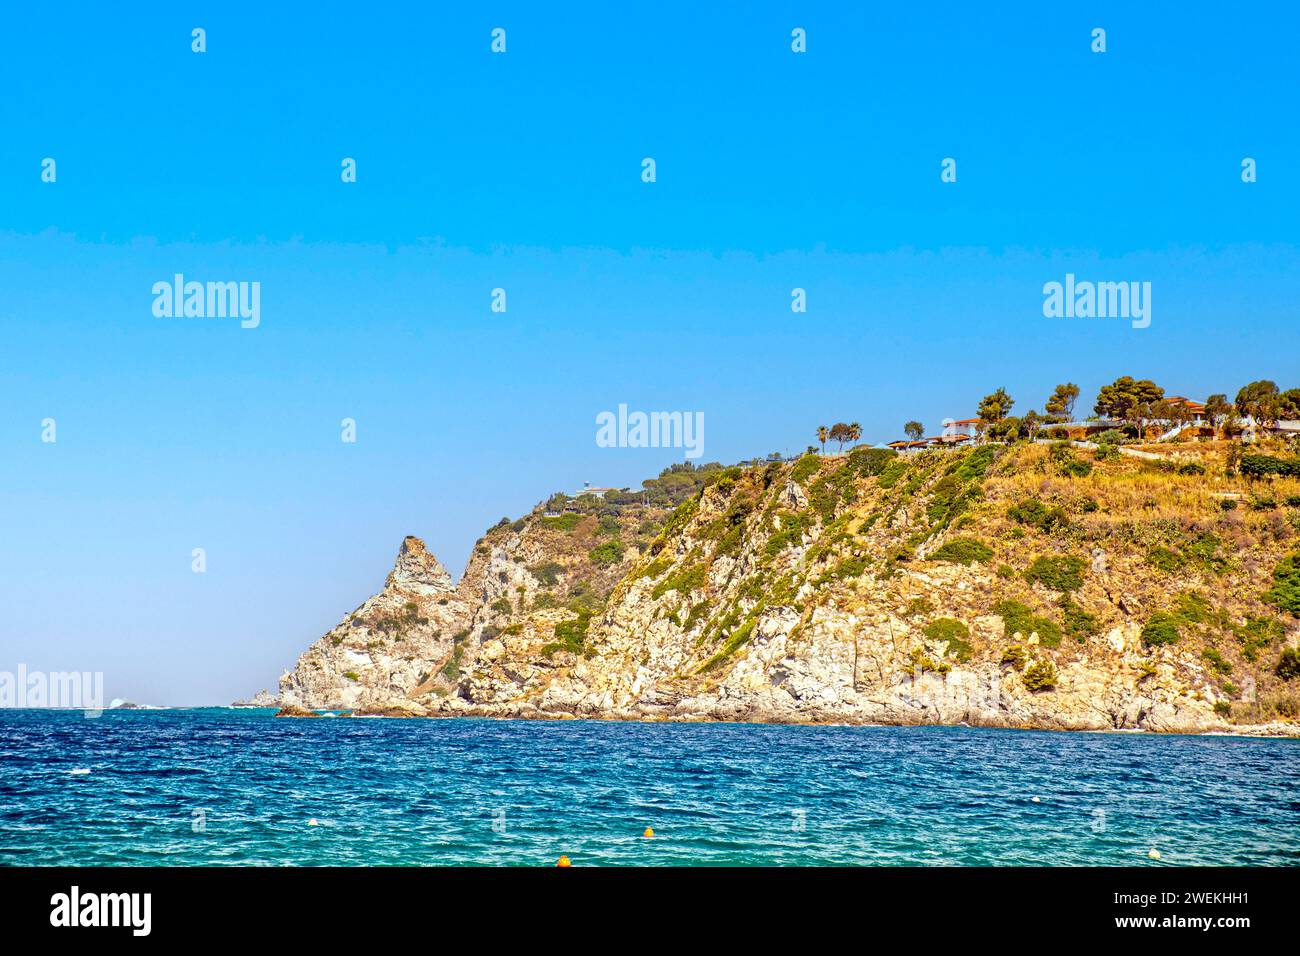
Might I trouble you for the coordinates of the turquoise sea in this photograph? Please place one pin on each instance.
(173, 787)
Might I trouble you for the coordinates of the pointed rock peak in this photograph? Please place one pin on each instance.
(418, 569)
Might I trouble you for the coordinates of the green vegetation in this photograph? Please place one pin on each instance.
(1285, 592)
(1040, 675)
(1256, 634)
(569, 635)
(352, 675)
(1288, 665)
(1079, 624)
(606, 554)
(852, 567)
(962, 551)
(1216, 661)
(1064, 458)
(685, 580)
(1033, 512)
(954, 632)
(1063, 573)
(921, 661)
(1163, 559)
(1267, 466)
(870, 462)
(805, 468)
(451, 669)
(1160, 629)
(1015, 655)
(548, 572)
(565, 522)
(1019, 619)
(399, 622)
(892, 474)
(918, 606)
(793, 526)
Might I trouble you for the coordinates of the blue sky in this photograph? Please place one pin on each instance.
(522, 171)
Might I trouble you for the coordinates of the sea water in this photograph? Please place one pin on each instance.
(220, 786)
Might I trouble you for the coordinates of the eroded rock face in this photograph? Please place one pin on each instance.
(386, 648)
(811, 592)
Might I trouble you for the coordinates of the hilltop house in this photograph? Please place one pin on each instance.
(969, 427)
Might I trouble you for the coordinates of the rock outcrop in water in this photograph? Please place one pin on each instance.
(1021, 587)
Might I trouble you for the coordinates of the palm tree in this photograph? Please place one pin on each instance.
(823, 433)
(855, 431)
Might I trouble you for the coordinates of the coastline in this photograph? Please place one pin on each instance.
(1275, 730)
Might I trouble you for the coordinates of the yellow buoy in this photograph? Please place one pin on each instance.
(648, 832)
(1154, 854)
(563, 861)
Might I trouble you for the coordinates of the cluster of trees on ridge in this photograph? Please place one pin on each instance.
(1132, 402)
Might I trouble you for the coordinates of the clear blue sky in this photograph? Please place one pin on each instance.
(522, 171)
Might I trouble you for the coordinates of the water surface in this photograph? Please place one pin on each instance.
(240, 787)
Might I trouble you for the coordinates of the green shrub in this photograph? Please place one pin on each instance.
(868, 462)
(1216, 661)
(1256, 634)
(1018, 619)
(1064, 573)
(1163, 559)
(352, 675)
(1015, 656)
(1040, 675)
(685, 580)
(921, 661)
(569, 635)
(918, 606)
(954, 632)
(1161, 628)
(893, 472)
(852, 567)
(1034, 512)
(451, 669)
(1079, 624)
(548, 572)
(805, 468)
(1285, 592)
(1288, 665)
(962, 551)
(793, 526)
(565, 522)
(502, 605)
(1265, 466)
(1192, 607)
(607, 553)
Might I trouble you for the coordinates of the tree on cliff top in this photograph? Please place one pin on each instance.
(1061, 402)
(993, 408)
(1128, 400)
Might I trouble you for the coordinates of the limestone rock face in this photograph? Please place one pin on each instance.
(864, 589)
(388, 646)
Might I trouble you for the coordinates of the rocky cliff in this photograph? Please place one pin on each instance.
(1030, 586)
